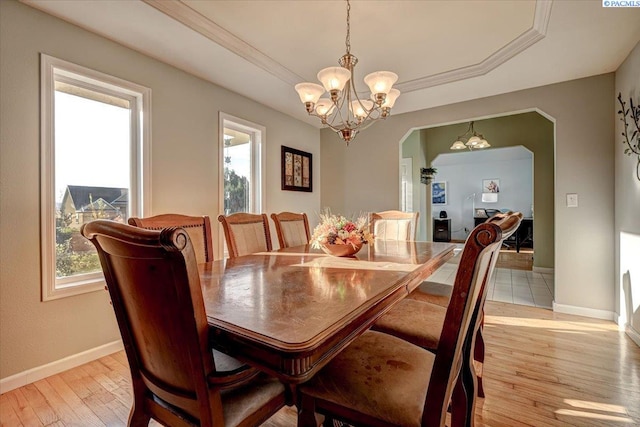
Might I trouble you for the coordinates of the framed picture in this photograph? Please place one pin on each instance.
(296, 170)
(439, 193)
(491, 185)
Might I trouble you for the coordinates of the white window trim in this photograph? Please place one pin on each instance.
(140, 161)
(258, 169)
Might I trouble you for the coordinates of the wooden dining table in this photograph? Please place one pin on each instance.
(289, 312)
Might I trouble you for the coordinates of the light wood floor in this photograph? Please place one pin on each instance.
(542, 369)
(509, 258)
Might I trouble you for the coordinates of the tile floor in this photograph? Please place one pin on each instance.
(509, 285)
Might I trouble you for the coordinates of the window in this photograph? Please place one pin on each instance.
(241, 166)
(94, 156)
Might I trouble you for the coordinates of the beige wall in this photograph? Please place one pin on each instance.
(627, 203)
(184, 173)
(584, 132)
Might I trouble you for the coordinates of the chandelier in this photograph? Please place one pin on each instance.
(474, 140)
(343, 111)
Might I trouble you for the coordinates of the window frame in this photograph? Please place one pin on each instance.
(258, 168)
(51, 70)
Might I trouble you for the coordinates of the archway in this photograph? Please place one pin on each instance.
(532, 130)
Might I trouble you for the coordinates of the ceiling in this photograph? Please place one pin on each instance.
(443, 51)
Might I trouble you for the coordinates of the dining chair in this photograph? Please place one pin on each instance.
(382, 380)
(246, 233)
(198, 228)
(292, 228)
(394, 225)
(153, 281)
(440, 293)
(419, 318)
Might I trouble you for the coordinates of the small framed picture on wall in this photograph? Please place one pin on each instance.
(439, 193)
(491, 185)
(296, 170)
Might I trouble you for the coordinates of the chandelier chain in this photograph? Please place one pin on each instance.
(348, 39)
(343, 111)
(474, 140)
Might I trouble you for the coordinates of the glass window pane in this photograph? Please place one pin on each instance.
(237, 172)
(92, 175)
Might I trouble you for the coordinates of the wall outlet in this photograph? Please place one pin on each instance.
(466, 230)
(572, 200)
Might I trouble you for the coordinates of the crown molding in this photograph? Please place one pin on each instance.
(179, 11)
(534, 34)
(199, 23)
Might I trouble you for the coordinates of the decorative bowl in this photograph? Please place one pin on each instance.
(341, 250)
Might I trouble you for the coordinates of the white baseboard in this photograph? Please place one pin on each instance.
(584, 311)
(545, 270)
(633, 334)
(35, 374)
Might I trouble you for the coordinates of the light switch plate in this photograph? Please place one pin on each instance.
(572, 200)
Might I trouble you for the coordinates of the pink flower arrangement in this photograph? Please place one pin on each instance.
(338, 230)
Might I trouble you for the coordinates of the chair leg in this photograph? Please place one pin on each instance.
(307, 412)
(138, 418)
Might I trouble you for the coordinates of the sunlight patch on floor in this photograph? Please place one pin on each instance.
(554, 325)
(598, 406)
(593, 415)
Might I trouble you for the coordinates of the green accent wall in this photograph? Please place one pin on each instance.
(413, 148)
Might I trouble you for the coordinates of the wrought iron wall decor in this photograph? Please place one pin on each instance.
(631, 133)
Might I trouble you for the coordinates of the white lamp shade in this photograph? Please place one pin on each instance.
(324, 107)
(358, 107)
(483, 144)
(458, 145)
(489, 197)
(390, 100)
(334, 77)
(473, 141)
(380, 81)
(309, 92)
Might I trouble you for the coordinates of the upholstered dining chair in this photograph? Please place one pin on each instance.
(198, 228)
(394, 225)
(382, 380)
(292, 228)
(153, 280)
(419, 318)
(246, 233)
(440, 293)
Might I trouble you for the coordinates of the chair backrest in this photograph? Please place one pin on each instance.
(394, 225)
(198, 228)
(508, 222)
(481, 247)
(246, 233)
(153, 281)
(292, 228)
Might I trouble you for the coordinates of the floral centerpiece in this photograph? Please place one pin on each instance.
(340, 236)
